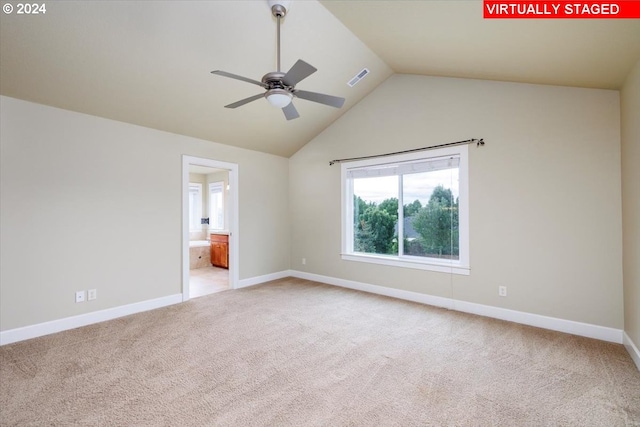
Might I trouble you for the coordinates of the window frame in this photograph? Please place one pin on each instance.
(195, 188)
(460, 266)
(217, 185)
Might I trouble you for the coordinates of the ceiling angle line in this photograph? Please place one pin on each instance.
(478, 143)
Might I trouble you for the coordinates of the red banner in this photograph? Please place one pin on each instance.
(623, 9)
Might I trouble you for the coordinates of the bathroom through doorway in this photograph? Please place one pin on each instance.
(209, 226)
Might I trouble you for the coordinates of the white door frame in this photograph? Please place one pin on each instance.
(232, 207)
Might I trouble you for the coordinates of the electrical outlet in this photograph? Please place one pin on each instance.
(92, 294)
(304, 261)
(80, 296)
(502, 291)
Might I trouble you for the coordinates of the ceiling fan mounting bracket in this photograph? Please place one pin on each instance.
(279, 8)
(278, 11)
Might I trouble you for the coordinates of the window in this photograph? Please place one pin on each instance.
(216, 205)
(422, 197)
(195, 206)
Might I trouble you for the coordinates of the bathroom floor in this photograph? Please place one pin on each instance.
(207, 280)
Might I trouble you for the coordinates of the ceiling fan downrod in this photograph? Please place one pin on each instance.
(278, 10)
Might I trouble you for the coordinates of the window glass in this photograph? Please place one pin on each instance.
(375, 215)
(409, 210)
(216, 205)
(430, 225)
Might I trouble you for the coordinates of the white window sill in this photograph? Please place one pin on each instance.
(431, 265)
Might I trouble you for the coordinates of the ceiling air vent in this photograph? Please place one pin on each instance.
(358, 77)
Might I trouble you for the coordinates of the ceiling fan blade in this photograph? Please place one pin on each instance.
(244, 101)
(290, 112)
(332, 101)
(300, 71)
(237, 77)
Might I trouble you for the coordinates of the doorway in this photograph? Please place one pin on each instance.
(209, 226)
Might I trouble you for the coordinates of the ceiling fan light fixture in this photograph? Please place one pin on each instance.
(279, 97)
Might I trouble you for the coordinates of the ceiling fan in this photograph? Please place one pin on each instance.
(281, 87)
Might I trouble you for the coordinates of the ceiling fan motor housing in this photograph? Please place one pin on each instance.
(274, 80)
(278, 94)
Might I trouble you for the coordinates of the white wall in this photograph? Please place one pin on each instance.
(630, 109)
(545, 198)
(93, 203)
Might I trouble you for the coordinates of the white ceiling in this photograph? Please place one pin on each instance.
(450, 38)
(149, 62)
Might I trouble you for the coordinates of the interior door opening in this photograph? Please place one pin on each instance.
(209, 225)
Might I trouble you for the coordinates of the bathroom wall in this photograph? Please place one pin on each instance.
(199, 257)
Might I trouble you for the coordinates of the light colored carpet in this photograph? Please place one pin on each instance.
(299, 353)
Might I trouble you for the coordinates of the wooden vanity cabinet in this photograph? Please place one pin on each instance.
(220, 250)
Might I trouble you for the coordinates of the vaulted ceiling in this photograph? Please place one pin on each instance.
(149, 62)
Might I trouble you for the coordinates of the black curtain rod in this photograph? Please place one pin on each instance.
(478, 142)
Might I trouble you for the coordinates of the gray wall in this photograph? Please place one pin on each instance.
(545, 192)
(94, 203)
(630, 101)
(545, 201)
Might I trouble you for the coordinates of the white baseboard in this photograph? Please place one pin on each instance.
(577, 328)
(375, 289)
(561, 325)
(632, 349)
(46, 328)
(252, 281)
